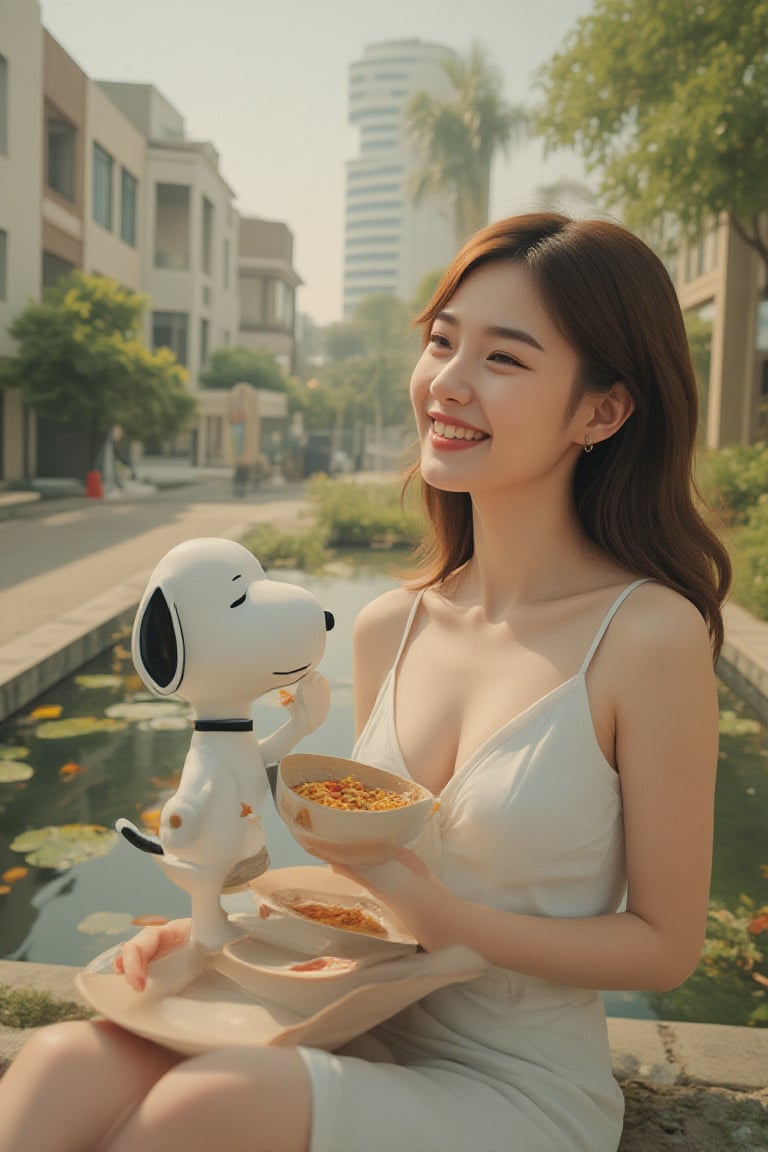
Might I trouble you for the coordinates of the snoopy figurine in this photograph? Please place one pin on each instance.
(212, 629)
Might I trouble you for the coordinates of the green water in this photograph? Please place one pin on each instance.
(49, 914)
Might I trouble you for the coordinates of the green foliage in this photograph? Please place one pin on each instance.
(354, 514)
(731, 980)
(276, 549)
(28, 1008)
(459, 137)
(667, 103)
(425, 290)
(345, 514)
(371, 356)
(750, 561)
(229, 366)
(734, 480)
(80, 361)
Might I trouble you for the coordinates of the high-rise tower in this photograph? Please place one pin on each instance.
(390, 243)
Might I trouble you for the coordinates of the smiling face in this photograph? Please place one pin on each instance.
(492, 389)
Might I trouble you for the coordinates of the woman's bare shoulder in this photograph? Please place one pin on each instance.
(656, 622)
(385, 616)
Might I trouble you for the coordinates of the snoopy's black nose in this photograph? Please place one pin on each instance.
(329, 621)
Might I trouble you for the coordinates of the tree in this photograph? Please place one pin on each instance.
(459, 138)
(80, 362)
(667, 101)
(425, 290)
(229, 366)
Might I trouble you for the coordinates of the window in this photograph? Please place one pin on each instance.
(207, 236)
(172, 226)
(169, 330)
(54, 268)
(253, 312)
(3, 265)
(226, 263)
(204, 329)
(282, 297)
(102, 186)
(61, 141)
(128, 196)
(3, 106)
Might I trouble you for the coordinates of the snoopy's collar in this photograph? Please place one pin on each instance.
(223, 725)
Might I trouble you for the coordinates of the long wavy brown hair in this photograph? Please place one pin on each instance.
(635, 494)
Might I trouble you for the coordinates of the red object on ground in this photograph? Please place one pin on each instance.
(93, 485)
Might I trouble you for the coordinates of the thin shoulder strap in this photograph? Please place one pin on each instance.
(607, 619)
(408, 625)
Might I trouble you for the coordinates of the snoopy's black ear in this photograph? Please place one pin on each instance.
(158, 647)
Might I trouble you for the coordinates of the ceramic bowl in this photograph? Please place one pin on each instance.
(278, 922)
(349, 836)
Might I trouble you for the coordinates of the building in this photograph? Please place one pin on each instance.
(191, 228)
(21, 191)
(390, 242)
(100, 176)
(721, 284)
(267, 284)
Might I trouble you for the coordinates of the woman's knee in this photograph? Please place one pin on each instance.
(69, 1040)
(229, 1099)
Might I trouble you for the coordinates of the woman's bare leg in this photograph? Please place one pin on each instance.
(71, 1082)
(232, 1100)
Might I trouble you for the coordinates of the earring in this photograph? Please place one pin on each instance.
(588, 444)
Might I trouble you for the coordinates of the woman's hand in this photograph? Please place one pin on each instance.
(136, 954)
(429, 909)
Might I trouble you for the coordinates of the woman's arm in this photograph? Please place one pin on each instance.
(666, 740)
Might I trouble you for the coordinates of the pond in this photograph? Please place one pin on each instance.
(98, 746)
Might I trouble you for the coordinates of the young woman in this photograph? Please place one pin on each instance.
(549, 675)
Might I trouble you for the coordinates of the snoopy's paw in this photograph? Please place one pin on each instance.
(312, 701)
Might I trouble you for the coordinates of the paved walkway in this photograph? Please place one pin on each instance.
(73, 569)
(63, 591)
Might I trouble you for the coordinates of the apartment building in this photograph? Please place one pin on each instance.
(721, 284)
(21, 185)
(189, 258)
(267, 282)
(390, 242)
(101, 176)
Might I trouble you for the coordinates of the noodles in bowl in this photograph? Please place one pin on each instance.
(349, 812)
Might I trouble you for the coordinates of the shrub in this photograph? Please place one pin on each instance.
(353, 515)
(29, 1008)
(734, 479)
(276, 549)
(749, 553)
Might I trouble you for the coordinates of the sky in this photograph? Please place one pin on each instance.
(265, 81)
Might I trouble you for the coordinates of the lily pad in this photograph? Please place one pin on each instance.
(106, 924)
(62, 846)
(78, 726)
(731, 724)
(105, 680)
(11, 771)
(166, 724)
(14, 752)
(145, 710)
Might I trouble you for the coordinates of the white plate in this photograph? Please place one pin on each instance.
(285, 928)
(215, 1012)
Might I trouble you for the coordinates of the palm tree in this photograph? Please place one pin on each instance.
(459, 137)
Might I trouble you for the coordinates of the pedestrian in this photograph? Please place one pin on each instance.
(547, 672)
